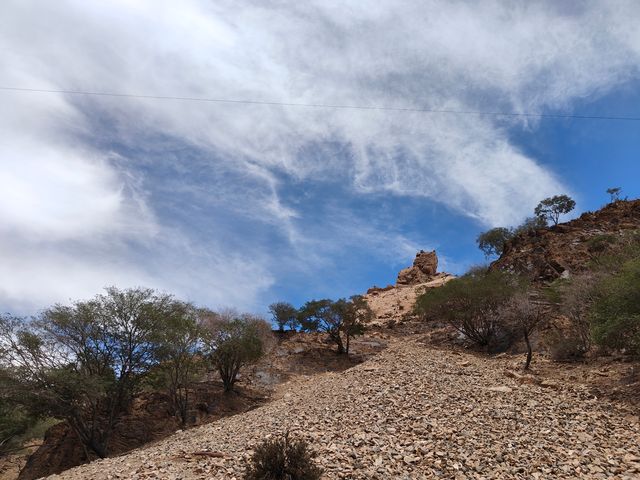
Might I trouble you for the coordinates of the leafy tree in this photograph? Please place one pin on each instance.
(320, 316)
(492, 242)
(614, 192)
(472, 303)
(284, 315)
(355, 314)
(551, 208)
(340, 320)
(233, 344)
(178, 354)
(83, 363)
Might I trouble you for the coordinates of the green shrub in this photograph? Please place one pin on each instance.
(615, 315)
(283, 458)
(620, 250)
(472, 303)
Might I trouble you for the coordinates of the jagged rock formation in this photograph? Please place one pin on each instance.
(549, 253)
(423, 269)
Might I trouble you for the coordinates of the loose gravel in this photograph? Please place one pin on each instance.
(411, 412)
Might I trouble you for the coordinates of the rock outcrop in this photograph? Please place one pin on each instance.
(394, 303)
(424, 267)
(549, 253)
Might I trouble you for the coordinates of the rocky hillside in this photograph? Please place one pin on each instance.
(294, 355)
(547, 254)
(401, 408)
(412, 412)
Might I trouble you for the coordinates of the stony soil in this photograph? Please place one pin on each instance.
(412, 412)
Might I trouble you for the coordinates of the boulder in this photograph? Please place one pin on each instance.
(423, 269)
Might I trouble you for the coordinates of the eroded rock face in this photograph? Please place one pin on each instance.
(558, 252)
(424, 267)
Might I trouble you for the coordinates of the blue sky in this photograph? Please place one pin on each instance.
(242, 205)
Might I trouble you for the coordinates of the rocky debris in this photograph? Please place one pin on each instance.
(294, 355)
(550, 253)
(410, 412)
(425, 266)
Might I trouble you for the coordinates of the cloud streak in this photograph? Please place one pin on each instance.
(132, 191)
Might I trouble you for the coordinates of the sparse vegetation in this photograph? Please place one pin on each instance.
(594, 301)
(566, 346)
(493, 242)
(530, 224)
(550, 209)
(522, 316)
(472, 305)
(283, 458)
(600, 243)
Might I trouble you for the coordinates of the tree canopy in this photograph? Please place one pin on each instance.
(284, 315)
(550, 209)
(492, 242)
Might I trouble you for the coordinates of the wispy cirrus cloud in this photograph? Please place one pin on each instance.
(192, 196)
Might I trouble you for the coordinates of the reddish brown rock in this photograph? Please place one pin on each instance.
(549, 253)
(424, 267)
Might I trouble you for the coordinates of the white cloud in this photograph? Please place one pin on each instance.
(71, 168)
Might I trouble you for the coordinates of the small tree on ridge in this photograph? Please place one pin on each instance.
(551, 208)
(492, 242)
